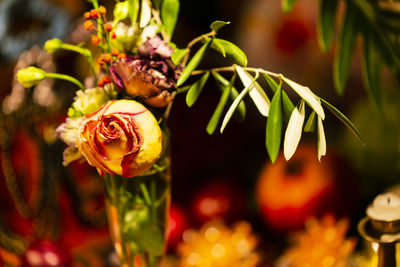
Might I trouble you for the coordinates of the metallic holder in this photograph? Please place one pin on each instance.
(386, 233)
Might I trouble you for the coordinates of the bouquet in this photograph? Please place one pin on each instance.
(117, 122)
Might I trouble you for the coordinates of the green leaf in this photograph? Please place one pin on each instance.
(311, 123)
(169, 15)
(241, 109)
(343, 119)
(287, 103)
(294, 130)
(371, 68)
(227, 48)
(193, 63)
(274, 126)
(235, 104)
(195, 90)
(179, 54)
(212, 124)
(256, 93)
(151, 240)
(321, 140)
(287, 5)
(145, 14)
(133, 10)
(345, 49)
(156, 4)
(305, 93)
(218, 24)
(326, 23)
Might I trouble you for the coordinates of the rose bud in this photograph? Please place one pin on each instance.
(151, 75)
(122, 138)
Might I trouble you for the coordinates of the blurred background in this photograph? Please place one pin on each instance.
(222, 182)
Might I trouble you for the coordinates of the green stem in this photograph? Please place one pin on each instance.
(66, 78)
(84, 52)
(145, 194)
(232, 69)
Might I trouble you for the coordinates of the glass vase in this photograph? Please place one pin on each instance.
(137, 211)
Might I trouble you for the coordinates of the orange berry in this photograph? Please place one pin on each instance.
(108, 27)
(106, 57)
(87, 15)
(94, 14)
(95, 40)
(121, 55)
(100, 83)
(113, 35)
(114, 52)
(103, 81)
(102, 10)
(100, 61)
(88, 25)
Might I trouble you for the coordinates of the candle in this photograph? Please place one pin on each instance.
(386, 207)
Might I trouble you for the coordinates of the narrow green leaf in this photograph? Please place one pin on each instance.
(212, 124)
(256, 93)
(227, 48)
(274, 126)
(305, 93)
(156, 4)
(345, 49)
(343, 119)
(326, 23)
(169, 15)
(235, 104)
(287, 5)
(193, 63)
(241, 109)
(311, 123)
(179, 54)
(133, 10)
(218, 24)
(371, 68)
(145, 14)
(294, 130)
(195, 90)
(287, 103)
(321, 140)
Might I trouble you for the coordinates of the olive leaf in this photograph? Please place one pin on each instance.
(193, 63)
(294, 130)
(371, 68)
(179, 54)
(235, 104)
(230, 49)
(305, 93)
(195, 89)
(256, 93)
(212, 124)
(145, 14)
(274, 126)
(287, 103)
(326, 23)
(321, 140)
(343, 119)
(241, 109)
(311, 123)
(345, 49)
(218, 24)
(169, 15)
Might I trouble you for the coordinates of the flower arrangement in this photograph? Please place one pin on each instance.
(117, 124)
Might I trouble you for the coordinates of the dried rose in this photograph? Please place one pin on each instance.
(122, 138)
(151, 75)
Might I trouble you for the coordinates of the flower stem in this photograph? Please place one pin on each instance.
(66, 78)
(232, 69)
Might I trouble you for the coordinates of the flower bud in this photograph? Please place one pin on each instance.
(121, 11)
(53, 45)
(30, 76)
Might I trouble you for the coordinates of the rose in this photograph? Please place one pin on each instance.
(122, 138)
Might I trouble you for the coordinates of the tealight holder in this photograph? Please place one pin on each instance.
(382, 226)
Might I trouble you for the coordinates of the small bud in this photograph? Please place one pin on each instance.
(94, 14)
(121, 55)
(53, 45)
(102, 10)
(100, 61)
(30, 76)
(114, 52)
(106, 57)
(95, 40)
(87, 15)
(113, 35)
(88, 25)
(121, 10)
(103, 81)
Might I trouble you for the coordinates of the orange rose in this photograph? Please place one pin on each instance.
(122, 138)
